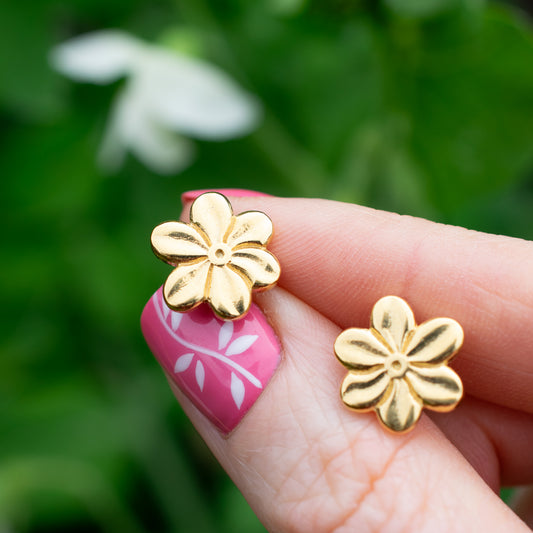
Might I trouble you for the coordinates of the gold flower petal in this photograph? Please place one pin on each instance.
(213, 214)
(440, 388)
(393, 319)
(229, 293)
(400, 410)
(257, 264)
(175, 241)
(363, 391)
(435, 341)
(360, 349)
(250, 227)
(185, 287)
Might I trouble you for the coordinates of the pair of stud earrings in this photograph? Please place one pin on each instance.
(395, 367)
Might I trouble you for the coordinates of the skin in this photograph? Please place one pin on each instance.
(303, 460)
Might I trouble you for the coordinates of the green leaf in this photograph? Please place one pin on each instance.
(468, 90)
(28, 88)
(420, 8)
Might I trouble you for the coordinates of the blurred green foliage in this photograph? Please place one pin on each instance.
(422, 107)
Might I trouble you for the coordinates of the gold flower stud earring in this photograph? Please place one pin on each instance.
(396, 367)
(218, 258)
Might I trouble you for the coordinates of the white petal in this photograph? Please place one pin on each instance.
(131, 128)
(166, 308)
(112, 150)
(237, 390)
(175, 320)
(224, 335)
(241, 344)
(99, 57)
(162, 152)
(194, 97)
(200, 374)
(183, 362)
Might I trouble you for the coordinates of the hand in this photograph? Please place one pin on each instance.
(307, 463)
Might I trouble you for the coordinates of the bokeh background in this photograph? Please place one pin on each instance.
(423, 107)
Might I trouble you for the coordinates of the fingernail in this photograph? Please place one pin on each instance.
(189, 196)
(222, 367)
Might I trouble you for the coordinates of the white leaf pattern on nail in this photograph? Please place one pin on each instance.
(224, 335)
(241, 344)
(183, 362)
(175, 320)
(237, 390)
(159, 302)
(200, 374)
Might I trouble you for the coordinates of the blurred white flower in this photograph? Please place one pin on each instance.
(166, 94)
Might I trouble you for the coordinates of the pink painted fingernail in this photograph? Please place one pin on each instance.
(189, 196)
(222, 367)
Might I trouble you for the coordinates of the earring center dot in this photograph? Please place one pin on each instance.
(219, 254)
(397, 365)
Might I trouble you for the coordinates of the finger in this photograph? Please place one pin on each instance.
(306, 463)
(481, 430)
(341, 258)
(495, 440)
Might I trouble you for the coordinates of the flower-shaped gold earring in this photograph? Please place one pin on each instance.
(219, 258)
(396, 367)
